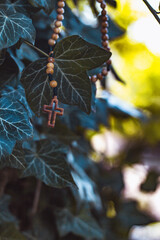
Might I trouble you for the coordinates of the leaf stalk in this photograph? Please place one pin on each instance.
(36, 197)
(35, 48)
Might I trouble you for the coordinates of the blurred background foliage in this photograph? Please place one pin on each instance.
(136, 57)
(131, 143)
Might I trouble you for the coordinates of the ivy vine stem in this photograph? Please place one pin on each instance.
(152, 10)
(35, 48)
(36, 197)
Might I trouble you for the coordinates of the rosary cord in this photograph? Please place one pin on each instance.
(53, 110)
(55, 36)
(105, 43)
(52, 42)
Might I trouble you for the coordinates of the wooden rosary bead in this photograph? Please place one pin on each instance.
(103, 5)
(55, 36)
(50, 65)
(105, 37)
(103, 12)
(104, 72)
(105, 43)
(94, 78)
(49, 71)
(104, 18)
(105, 24)
(53, 84)
(99, 76)
(60, 10)
(60, 17)
(61, 4)
(58, 24)
(57, 30)
(51, 42)
(104, 30)
(51, 60)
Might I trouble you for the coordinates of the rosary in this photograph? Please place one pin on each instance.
(53, 110)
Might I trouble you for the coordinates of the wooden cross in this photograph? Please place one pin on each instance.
(53, 110)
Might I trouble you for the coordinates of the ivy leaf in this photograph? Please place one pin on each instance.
(81, 225)
(47, 162)
(18, 94)
(15, 160)
(6, 146)
(14, 26)
(73, 57)
(46, 5)
(5, 215)
(20, 6)
(14, 120)
(36, 84)
(81, 55)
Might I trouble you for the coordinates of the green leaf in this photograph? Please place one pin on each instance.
(14, 26)
(82, 225)
(6, 146)
(14, 120)
(75, 52)
(15, 160)
(47, 162)
(36, 84)
(73, 57)
(17, 94)
(20, 6)
(14, 124)
(8, 231)
(46, 5)
(5, 215)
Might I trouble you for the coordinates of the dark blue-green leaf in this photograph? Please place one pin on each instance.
(82, 225)
(14, 160)
(46, 5)
(14, 26)
(14, 120)
(73, 57)
(20, 6)
(47, 162)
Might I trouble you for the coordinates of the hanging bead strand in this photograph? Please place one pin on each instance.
(53, 110)
(105, 43)
(52, 42)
